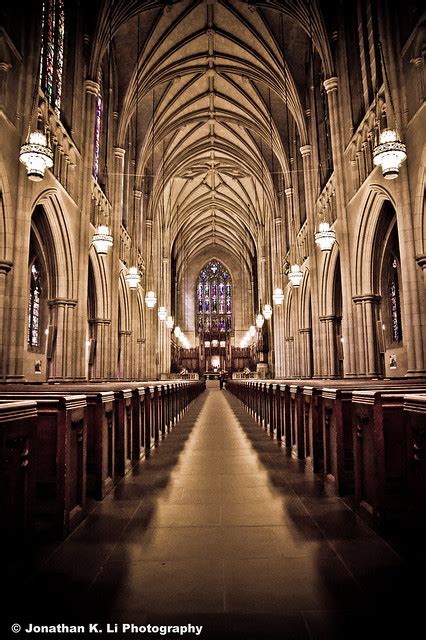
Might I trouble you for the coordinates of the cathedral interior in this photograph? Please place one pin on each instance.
(212, 317)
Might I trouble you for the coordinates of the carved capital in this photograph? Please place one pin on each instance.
(421, 260)
(305, 150)
(92, 87)
(5, 266)
(331, 84)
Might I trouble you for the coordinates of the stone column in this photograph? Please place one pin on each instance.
(337, 145)
(290, 213)
(313, 261)
(367, 335)
(329, 322)
(101, 363)
(305, 352)
(114, 264)
(151, 317)
(125, 337)
(164, 332)
(5, 267)
(61, 317)
(79, 355)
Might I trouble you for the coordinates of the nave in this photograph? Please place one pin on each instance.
(220, 528)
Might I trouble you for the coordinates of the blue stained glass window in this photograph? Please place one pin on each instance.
(213, 292)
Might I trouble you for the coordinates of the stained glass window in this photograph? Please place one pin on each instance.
(394, 300)
(214, 299)
(34, 308)
(52, 52)
(98, 125)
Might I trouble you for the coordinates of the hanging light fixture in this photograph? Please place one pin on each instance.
(267, 311)
(133, 277)
(177, 332)
(278, 296)
(252, 331)
(259, 320)
(102, 240)
(170, 322)
(162, 313)
(295, 275)
(325, 237)
(36, 155)
(390, 153)
(150, 299)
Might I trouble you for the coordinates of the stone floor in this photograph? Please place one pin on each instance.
(221, 528)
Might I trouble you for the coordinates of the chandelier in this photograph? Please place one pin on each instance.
(390, 153)
(178, 332)
(150, 299)
(295, 275)
(170, 322)
(259, 320)
(133, 277)
(36, 155)
(252, 331)
(325, 237)
(102, 240)
(267, 311)
(278, 296)
(162, 313)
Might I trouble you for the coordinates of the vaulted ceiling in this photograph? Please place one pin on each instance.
(218, 88)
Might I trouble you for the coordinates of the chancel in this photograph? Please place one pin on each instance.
(212, 317)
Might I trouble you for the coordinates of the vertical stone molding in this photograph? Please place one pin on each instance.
(61, 317)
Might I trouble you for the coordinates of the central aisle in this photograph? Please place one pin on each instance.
(220, 527)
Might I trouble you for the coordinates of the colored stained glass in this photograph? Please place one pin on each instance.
(52, 52)
(98, 125)
(394, 302)
(34, 308)
(213, 298)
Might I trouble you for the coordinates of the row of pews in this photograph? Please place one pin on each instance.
(367, 437)
(62, 444)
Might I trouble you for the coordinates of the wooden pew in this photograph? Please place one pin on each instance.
(61, 459)
(415, 418)
(18, 425)
(381, 460)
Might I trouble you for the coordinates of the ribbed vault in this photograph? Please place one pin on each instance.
(219, 88)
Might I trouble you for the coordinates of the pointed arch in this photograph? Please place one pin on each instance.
(59, 244)
(370, 216)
